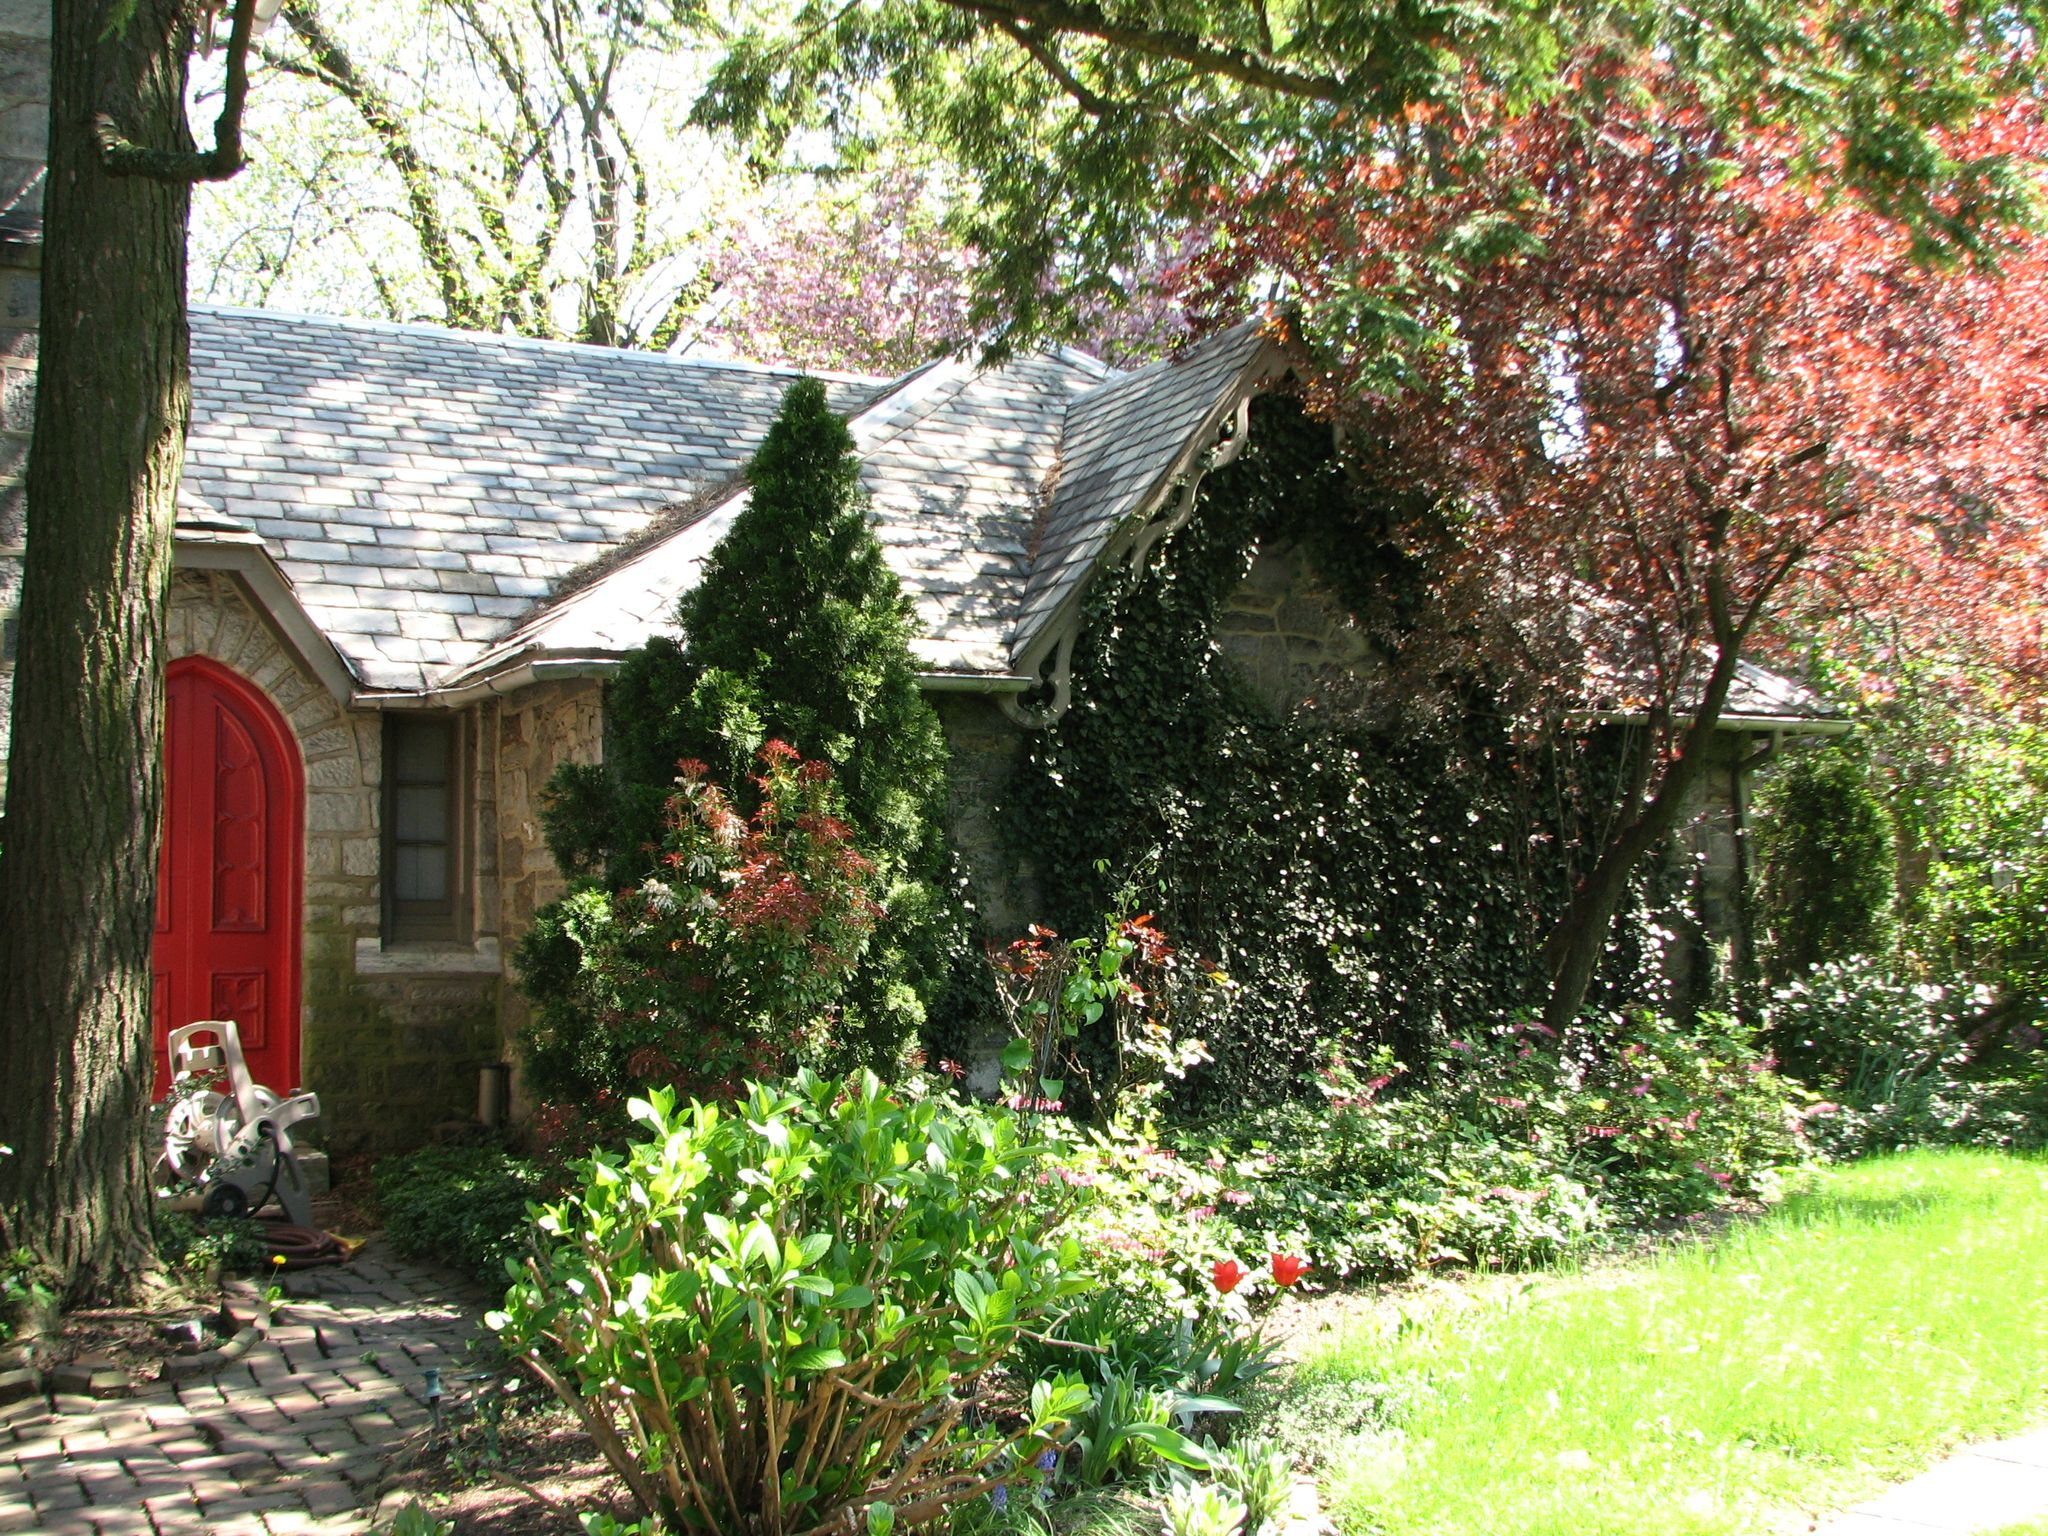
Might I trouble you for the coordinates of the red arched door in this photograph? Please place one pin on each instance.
(227, 907)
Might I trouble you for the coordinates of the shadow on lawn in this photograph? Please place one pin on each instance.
(1896, 1190)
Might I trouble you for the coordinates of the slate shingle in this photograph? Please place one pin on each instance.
(422, 451)
(428, 491)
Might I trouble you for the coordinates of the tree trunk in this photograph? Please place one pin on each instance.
(1580, 937)
(84, 805)
(1576, 943)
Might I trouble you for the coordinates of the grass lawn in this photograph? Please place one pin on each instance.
(1887, 1313)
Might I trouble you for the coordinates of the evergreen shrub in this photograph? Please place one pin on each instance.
(796, 631)
(727, 961)
(1824, 849)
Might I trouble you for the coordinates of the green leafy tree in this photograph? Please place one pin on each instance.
(798, 631)
(1094, 129)
(1828, 868)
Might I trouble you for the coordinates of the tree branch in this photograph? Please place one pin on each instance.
(1239, 64)
(122, 156)
(330, 63)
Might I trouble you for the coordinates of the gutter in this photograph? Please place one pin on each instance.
(545, 667)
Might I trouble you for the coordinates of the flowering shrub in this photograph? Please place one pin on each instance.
(727, 961)
(774, 1318)
(1518, 1146)
(1103, 1024)
(1149, 1226)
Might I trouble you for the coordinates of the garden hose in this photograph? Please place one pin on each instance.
(300, 1247)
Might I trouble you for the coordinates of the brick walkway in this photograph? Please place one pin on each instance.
(291, 1438)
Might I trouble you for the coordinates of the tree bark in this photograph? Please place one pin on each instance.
(1577, 942)
(85, 787)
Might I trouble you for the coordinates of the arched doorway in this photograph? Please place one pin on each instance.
(227, 911)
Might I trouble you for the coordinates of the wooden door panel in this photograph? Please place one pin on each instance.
(239, 995)
(227, 943)
(239, 872)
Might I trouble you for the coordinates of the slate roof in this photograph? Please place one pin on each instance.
(443, 503)
(1123, 443)
(444, 506)
(423, 489)
(956, 462)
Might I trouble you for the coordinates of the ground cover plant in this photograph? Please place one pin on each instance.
(465, 1207)
(1516, 1148)
(1877, 1318)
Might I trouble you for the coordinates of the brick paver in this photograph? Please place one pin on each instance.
(288, 1441)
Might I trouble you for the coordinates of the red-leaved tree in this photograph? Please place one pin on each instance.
(1664, 392)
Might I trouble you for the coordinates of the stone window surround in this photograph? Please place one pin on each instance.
(374, 957)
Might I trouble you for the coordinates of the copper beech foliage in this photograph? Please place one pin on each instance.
(1671, 402)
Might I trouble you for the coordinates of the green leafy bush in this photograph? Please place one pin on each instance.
(730, 959)
(460, 1206)
(1906, 1063)
(1261, 1477)
(775, 1317)
(1103, 1025)
(1979, 916)
(796, 631)
(1824, 850)
(22, 1289)
(204, 1248)
(1517, 1148)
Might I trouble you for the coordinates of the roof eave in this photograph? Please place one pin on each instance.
(200, 547)
(1273, 360)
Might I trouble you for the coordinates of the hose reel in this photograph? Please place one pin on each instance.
(227, 1133)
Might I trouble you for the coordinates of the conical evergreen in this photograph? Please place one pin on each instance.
(797, 630)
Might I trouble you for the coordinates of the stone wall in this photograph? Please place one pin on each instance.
(1709, 854)
(24, 125)
(531, 733)
(986, 745)
(1286, 634)
(390, 1041)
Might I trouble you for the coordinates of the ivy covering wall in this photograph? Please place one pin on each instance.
(1362, 883)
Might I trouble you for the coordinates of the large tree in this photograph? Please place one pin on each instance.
(1682, 394)
(78, 848)
(1473, 206)
(1094, 130)
(488, 164)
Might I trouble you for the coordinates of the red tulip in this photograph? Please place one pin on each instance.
(1228, 1274)
(1287, 1269)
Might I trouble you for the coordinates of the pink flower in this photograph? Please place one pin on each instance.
(1287, 1269)
(1236, 1197)
(1228, 1275)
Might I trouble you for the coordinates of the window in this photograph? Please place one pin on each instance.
(422, 831)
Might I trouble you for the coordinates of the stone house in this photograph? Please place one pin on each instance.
(407, 557)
